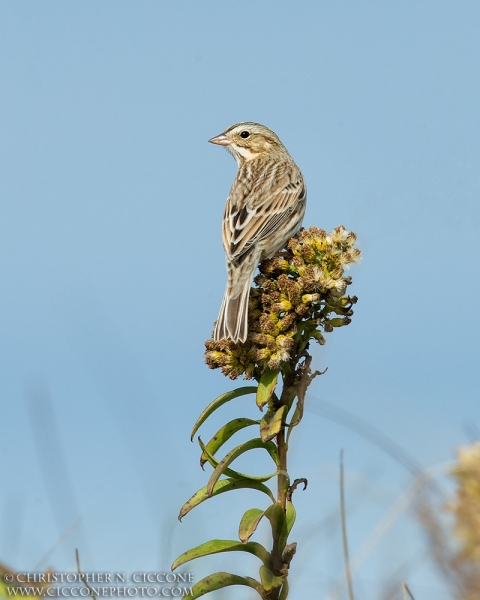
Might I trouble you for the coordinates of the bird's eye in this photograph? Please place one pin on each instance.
(245, 135)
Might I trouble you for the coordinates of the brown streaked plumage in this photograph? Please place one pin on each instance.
(264, 209)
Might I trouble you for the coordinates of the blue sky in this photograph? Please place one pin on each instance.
(112, 268)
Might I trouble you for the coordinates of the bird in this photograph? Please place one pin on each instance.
(264, 209)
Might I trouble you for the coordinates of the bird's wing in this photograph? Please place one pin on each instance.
(260, 211)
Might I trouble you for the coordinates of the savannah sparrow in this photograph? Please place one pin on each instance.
(264, 209)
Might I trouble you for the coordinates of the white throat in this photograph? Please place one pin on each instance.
(245, 153)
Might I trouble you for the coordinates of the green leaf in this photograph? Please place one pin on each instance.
(271, 424)
(212, 407)
(284, 591)
(290, 516)
(268, 579)
(276, 516)
(217, 581)
(295, 420)
(286, 525)
(224, 485)
(224, 434)
(249, 523)
(235, 453)
(217, 546)
(337, 322)
(266, 386)
(235, 474)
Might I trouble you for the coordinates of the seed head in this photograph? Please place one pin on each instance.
(298, 295)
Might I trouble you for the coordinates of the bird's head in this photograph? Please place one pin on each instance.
(247, 141)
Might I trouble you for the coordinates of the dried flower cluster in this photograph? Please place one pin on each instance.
(299, 295)
(455, 543)
(466, 506)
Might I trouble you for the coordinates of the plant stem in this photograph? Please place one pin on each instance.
(282, 488)
(296, 380)
(282, 481)
(286, 399)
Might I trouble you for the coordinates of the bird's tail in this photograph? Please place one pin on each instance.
(232, 320)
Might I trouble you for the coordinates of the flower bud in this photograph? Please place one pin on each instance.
(308, 298)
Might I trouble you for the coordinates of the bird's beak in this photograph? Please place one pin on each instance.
(221, 140)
